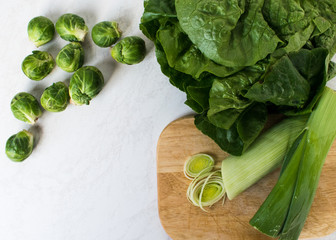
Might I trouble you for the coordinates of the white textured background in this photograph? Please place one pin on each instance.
(92, 175)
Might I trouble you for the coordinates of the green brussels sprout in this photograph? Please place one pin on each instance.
(130, 50)
(71, 27)
(106, 33)
(71, 57)
(40, 30)
(38, 65)
(56, 97)
(19, 146)
(25, 107)
(85, 84)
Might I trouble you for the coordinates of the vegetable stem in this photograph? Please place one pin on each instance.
(265, 155)
(285, 210)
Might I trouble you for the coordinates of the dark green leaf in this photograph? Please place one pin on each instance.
(331, 71)
(228, 140)
(155, 11)
(282, 85)
(226, 95)
(184, 56)
(226, 31)
(312, 65)
(252, 122)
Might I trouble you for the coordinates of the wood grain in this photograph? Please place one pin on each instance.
(181, 220)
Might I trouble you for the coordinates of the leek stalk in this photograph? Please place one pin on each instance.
(285, 210)
(266, 154)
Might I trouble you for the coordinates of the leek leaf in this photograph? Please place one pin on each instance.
(285, 210)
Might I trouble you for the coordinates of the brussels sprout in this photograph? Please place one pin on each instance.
(56, 97)
(85, 84)
(25, 107)
(106, 33)
(19, 146)
(71, 57)
(130, 50)
(71, 27)
(38, 65)
(40, 30)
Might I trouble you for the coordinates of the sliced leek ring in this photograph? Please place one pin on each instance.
(198, 164)
(206, 189)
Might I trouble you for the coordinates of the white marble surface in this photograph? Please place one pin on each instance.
(92, 174)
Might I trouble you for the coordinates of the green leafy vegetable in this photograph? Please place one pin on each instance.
(105, 33)
(129, 50)
(226, 99)
(331, 71)
(232, 33)
(154, 12)
(55, 98)
(71, 27)
(282, 85)
(85, 84)
(40, 30)
(186, 57)
(239, 136)
(25, 107)
(71, 57)
(233, 56)
(313, 66)
(19, 146)
(38, 65)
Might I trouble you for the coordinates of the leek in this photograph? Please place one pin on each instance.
(206, 189)
(285, 210)
(240, 172)
(197, 164)
(266, 154)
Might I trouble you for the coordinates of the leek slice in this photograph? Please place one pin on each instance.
(266, 154)
(197, 164)
(206, 189)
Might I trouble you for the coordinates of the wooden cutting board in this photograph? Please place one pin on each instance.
(181, 220)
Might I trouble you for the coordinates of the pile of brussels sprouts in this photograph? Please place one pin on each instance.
(86, 81)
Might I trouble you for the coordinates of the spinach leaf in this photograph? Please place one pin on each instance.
(327, 40)
(282, 85)
(331, 71)
(251, 122)
(226, 95)
(295, 82)
(232, 33)
(200, 95)
(292, 23)
(227, 139)
(156, 10)
(176, 78)
(321, 24)
(241, 134)
(184, 56)
(313, 66)
(197, 91)
(297, 22)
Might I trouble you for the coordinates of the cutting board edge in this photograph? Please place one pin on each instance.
(162, 222)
